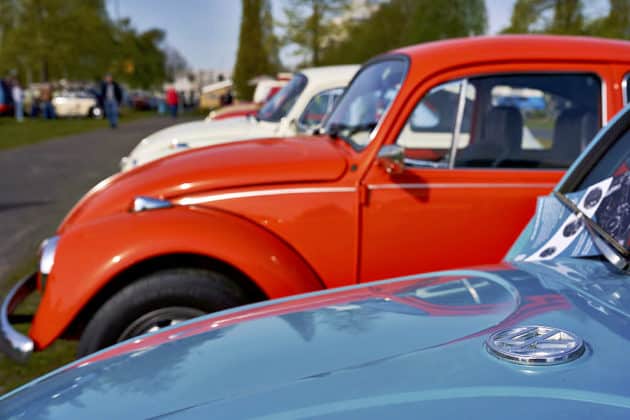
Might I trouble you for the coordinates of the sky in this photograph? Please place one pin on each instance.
(205, 32)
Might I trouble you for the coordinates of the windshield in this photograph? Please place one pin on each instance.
(593, 220)
(281, 103)
(365, 101)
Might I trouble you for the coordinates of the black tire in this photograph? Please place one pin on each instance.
(95, 113)
(176, 294)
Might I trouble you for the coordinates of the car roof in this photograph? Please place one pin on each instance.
(330, 72)
(519, 47)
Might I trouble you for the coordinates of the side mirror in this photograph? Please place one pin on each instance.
(392, 159)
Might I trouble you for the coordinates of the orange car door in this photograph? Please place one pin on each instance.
(478, 151)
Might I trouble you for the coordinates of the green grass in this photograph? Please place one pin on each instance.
(13, 374)
(14, 134)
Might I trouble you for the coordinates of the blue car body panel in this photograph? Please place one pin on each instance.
(409, 347)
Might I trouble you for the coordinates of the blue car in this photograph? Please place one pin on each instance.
(543, 335)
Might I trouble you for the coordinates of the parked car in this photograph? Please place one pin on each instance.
(211, 94)
(142, 101)
(226, 225)
(240, 109)
(297, 108)
(535, 336)
(265, 90)
(76, 103)
(6, 99)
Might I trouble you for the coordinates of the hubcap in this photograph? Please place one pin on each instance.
(158, 319)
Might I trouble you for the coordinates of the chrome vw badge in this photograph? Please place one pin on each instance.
(535, 345)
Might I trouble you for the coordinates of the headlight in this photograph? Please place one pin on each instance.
(47, 258)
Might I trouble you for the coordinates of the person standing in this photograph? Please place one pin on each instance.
(172, 100)
(111, 95)
(18, 100)
(46, 96)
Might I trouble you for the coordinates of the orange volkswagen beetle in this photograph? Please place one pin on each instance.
(432, 159)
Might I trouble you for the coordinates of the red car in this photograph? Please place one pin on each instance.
(425, 149)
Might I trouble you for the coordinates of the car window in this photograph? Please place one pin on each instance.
(2, 98)
(626, 89)
(279, 106)
(508, 121)
(318, 107)
(366, 100)
(428, 133)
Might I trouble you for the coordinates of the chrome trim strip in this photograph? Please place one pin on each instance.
(604, 102)
(624, 88)
(142, 203)
(12, 343)
(191, 201)
(459, 185)
(461, 104)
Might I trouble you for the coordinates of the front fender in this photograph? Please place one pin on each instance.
(90, 255)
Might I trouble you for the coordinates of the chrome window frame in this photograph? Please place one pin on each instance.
(624, 88)
(436, 165)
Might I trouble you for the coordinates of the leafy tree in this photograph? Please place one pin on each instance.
(136, 58)
(547, 16)
(174, 63)
(616, 24)
(252, 58)
(271, 43)
(404, 22)
(75, 39)
(310, 25)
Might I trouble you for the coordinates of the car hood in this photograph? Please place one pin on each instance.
(395, 348)
(197, 134)
(248, 163)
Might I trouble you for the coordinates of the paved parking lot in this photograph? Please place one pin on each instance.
(41, 182)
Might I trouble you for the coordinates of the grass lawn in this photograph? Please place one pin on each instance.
(13, 374)
(14, 134)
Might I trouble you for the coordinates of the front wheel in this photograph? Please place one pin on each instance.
(159, 300)
(95, 112)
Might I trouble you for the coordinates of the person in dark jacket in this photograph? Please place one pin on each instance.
(111, 95)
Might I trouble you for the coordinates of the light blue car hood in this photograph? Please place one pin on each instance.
(405, 348)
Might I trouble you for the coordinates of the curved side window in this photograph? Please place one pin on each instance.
(318, 108)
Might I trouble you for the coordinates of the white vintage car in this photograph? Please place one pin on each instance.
(76, 103)
(300, 106)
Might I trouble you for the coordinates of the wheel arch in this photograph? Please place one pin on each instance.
(95, 260)
(155, 264)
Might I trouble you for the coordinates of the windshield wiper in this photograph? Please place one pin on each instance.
(615, 253)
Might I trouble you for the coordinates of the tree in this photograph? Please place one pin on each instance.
(44, 37)
(271, 43)
(616, 24)
(175, 63)
(310, 25)
(252, 58)
(404, 22)
(547, 16)
(76, 39)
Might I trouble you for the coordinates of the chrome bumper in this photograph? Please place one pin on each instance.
(12, 343)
